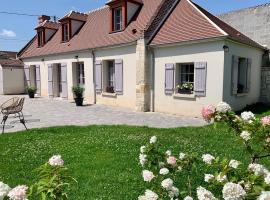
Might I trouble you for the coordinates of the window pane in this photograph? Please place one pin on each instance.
(118, 19)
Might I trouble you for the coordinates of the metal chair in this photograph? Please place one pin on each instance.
(13, 106)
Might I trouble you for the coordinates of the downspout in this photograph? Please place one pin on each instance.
(94, 75)
(152, 68)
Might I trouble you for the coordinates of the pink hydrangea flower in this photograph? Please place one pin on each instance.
(208, 112)
(265, 120)
(171, 160)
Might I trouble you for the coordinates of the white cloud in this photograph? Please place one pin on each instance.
(7, 33)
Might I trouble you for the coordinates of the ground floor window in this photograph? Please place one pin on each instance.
(80, 74)
(109, 76)
(184, 78)
(242, 75)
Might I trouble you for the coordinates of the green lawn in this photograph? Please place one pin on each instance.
(104, 159)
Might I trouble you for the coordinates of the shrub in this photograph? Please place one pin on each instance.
(78, 91)
(52, 183)
(223, 178)
(31, 89)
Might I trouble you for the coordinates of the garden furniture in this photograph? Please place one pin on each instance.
(13, 106)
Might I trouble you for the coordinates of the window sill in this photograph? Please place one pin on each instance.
(242, 94)
(184, 96)
(107, 94)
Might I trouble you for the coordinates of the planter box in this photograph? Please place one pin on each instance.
(184, 91)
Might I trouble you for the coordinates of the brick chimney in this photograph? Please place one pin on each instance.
(43, 18)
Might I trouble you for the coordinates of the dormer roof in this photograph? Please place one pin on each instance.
(49, 25)
(75, 16)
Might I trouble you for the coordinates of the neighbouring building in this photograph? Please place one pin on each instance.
(149, 55)
(11, 74)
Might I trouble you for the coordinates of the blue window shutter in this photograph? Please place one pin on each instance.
(200, 72)
(50, 80)
(169, 78)
(249, 64)
(98, 76)
(119, 76)
(235, 64)
(64, 93)
(27, 75)
(38, 84)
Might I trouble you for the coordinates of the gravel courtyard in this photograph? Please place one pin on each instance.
(44, 112)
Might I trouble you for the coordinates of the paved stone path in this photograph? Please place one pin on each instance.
(43, 112)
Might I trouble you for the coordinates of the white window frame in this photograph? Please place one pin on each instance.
(118, 19)
(178, 75)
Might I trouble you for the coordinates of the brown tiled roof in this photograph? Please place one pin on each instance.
(95, 33)
(112, 1)
(11, 63)
(189, 22)
(49, 25)
(75, 16)
(8, 54)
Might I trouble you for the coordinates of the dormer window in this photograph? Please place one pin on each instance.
(122, 12)
(45, 30)
(65, 32)
(118, 24)
(40, 35)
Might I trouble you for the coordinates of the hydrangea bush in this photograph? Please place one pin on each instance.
(52, 183)
(223, 178)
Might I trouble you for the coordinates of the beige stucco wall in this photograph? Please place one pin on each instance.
(210, 52)
(240, 101)
(85, 57)
(128, 54)
(12, 80)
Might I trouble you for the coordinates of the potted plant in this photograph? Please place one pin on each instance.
(31, 90)
(78, 93)
(185, 88)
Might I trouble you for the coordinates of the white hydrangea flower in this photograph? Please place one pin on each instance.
(153, 139)
(167, 184)
(148, 195)
(208, 177)
(267, 179)
(147, 175)
(164, 171)
(204, 194)
(245, 135)
(223, 107)
(142, 149)
(247, 116)
(265, 195)
(234, 164)
(233, 191)
(182, 156)
(259, 170)
(188, 198)
(18, 193)
(168, 152)
(208, 159)
(221, 178)
(56, 160)
(180, 168)
(174, 192)
(4, 189)
(143, 159)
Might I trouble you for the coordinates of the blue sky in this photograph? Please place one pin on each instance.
(16, 30)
